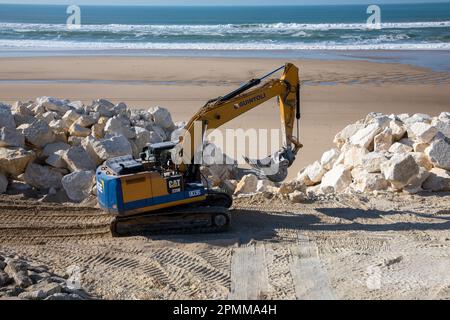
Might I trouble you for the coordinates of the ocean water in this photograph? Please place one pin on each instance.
(283, 28)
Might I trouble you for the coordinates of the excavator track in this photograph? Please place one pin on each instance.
(209, 216)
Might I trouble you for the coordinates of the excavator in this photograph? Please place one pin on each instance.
(162, 192)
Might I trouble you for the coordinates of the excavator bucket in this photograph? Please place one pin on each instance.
(274, 167)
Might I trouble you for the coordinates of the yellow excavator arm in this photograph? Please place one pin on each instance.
(219, 111)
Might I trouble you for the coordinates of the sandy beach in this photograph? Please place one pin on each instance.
(334, 93)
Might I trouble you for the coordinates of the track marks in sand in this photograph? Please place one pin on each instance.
(275, 271)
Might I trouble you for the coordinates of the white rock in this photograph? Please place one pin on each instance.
(422, 160)
(329, 158)
(57, 125)
(85, 121)
(264, 185)
(120, 109)
(415, 184)
(56, 160)
(439, 180)
(143, 137)
(77, 105)
(52, 104)
(302, 178)
(420, 146)
(371, 162)
(315, 172)
(369, 182)
(78, 184)
(78, 159)
(6, 117)
(444, 116)
(88, 145)
(51, 148)
(115, 126)
(247, 185)
(364, 137)
(14, 160)
(398, 129)
(42, 177)
(422, 132)
(37, 133)
(336, 180)
(400, 169)
(383, 141)
(104, 108)
(353, 155)
(439, 154)
(11, 138)
(78, 131)
(400, 148)
(49, 116)
(20, 108)
(442, 125)
(342, 137)
(418, 117)
(75, 141)
(162, 118)
(70, 117)
(112, 147)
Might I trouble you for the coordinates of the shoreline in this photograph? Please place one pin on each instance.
(436, 60)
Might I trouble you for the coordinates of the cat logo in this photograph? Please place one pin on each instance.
(174, 185)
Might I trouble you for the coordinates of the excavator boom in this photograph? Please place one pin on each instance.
(221, 110)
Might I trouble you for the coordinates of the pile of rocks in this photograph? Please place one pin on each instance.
(54, 146)
(31, 281)
(381, 153)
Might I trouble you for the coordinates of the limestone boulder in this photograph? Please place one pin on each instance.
(442, 126)
(370, 182)
(315, 172)
(398, 129)
(418, 117)
(42, 177)
(364, 138)
(353, 155)
(56, 160)
(6, 117)
(420, 146)
(400, 169)
(88, 145)
(85, 121)
(422, 132)
(337, 179)
(11, 138)
(53, 104)
(78, 184)
(77, 159)
(264, 185)
(422, 160)
(415, 184)
(439, 153)
(329, 158)
(383, 141)
(342, 137)
(162, 118)
(104, 108)
(372, 161)
(76, 130)
(37, 133)
(303, 179)
(14, 161)
(115, 126)
(400, 148)
(112, 147)
(248, 184)
(438, 180)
